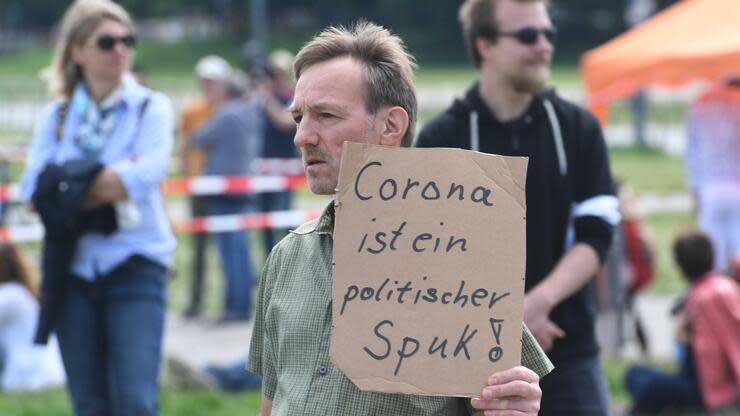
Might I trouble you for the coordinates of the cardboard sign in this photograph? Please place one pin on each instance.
(429, 259)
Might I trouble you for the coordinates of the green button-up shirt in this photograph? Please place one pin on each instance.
(291, 336)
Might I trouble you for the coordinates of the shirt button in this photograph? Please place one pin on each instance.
(528, 119)
(63, 186)
(323, 370)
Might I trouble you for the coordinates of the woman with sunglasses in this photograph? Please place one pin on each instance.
(110, 318)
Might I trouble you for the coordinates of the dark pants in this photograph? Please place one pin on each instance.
(654, 391)
(236, 262)
(198, 208)
(269, 202)
(2, 360)
(110, 336)
(575, 388)
(235, 377)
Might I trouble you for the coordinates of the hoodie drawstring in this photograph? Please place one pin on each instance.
(554, 124)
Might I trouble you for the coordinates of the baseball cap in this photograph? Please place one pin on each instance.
(282, 60)
(213, 67)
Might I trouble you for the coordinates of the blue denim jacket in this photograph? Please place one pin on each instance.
(138, 149)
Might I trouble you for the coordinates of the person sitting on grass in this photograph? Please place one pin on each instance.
(23, 365)
(709, 375)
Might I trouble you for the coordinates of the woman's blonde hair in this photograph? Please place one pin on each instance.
(78, 23)
(14, 267)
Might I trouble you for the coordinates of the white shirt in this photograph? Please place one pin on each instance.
(27, 366)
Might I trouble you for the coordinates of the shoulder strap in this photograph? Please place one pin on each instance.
(143, 107)
(61, 118)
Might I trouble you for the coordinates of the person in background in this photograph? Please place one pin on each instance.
(24, 366)
(628, 270)
(231, 142)
(708, 324)
(110, 317)
(571, 204)
(356, 85)
(212, 72)
(712, 160)
(279, 129)
(636, 12)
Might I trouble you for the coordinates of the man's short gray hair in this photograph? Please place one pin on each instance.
(389, 68)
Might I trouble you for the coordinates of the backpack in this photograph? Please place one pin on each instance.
(638, 255)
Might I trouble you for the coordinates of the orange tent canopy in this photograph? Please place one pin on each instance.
(693, 39)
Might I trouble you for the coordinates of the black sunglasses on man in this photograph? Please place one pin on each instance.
(529, 35)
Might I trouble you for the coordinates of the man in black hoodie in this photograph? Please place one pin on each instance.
(571, 207)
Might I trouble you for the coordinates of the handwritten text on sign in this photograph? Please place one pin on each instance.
(429, 253)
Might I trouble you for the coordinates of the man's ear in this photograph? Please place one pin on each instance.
(482, 45)
(395, 123)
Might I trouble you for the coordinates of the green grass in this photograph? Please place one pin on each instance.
(462, 76)
(172, 403)
(662, 229)
(664, 113)
(164, 57)
(169, 66)
(648, 170)
(614, 371)
(212, 403)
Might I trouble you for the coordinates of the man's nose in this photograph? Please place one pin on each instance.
(543, 44)
(305, 134)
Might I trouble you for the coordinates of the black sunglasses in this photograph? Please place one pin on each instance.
(108, 42)
(529, 35)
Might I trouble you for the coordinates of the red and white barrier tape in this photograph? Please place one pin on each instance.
(10, 192)
(22, 233)
(222, 223)
(213, 224)
(278, 166)
(205, 185)
(218, 185)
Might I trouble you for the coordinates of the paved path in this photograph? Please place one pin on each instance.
(654, 312)
(199, 342)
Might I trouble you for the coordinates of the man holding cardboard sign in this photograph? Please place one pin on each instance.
(357, 85)
(413, 292)
(571, 207)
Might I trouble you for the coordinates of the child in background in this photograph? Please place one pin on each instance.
(709, 324)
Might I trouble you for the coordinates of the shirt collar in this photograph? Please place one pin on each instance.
(325, 225)
(133, 93)
(130, 93)
(475, 100)
(113, 99)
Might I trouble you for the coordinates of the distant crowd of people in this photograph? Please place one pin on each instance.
(235, 121)
(102, 147)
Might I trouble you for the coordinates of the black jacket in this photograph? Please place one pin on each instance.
(58, 198)
(550, 195)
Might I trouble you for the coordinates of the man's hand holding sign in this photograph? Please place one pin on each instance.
(428, 277)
